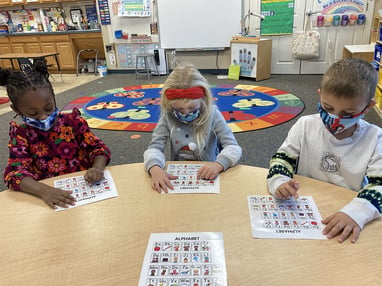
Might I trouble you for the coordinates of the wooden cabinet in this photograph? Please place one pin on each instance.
(10, 3)
(88, 41)
(67, 45)
(18, 48)
(33, 1)
(365, 52)
(25, 44)
(61, 44)
(67, 57)
(5, 48)
(253, 56)
(5, 2)
(32, 48)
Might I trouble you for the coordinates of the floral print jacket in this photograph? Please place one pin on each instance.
(69, 146)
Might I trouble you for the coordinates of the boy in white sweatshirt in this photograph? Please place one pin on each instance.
(337, 146)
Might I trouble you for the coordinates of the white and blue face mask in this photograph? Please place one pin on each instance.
(338, 123)
(186, 118)
(45, 124)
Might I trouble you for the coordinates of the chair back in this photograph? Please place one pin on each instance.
(25, 64)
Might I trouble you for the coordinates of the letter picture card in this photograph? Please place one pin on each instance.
(292, 218)
(86, 193)
(187, 182)
(192, 259)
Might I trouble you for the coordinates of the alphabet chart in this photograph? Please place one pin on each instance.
(85, 193)
(187, 183)
(291, 218)
(184, 259)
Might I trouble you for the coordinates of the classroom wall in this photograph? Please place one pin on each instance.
(208, 60)
(136, 25)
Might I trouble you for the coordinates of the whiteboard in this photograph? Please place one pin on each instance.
(198, 24)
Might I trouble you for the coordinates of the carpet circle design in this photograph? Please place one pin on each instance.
(136, 108)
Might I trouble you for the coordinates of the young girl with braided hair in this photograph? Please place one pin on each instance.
(47, 143)
(195, 128)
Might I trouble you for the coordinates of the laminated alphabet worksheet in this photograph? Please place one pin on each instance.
(184, 259)
(291, 218)
(187, 182)
(85, 193)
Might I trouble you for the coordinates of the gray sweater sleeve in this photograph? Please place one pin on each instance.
(154, 154)
(231, 152)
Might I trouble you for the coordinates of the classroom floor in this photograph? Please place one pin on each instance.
(258, 146)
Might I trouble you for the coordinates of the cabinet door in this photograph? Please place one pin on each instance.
(49, 48)
(32, 47)
(5, 2)
(18, 48)
(66, 57)
(245, 55)
(5, 49)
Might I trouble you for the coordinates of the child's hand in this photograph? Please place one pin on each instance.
(209, 171)
(54, 197)
(160, 179)
(288, 190)
(93, 175)
(343, 225)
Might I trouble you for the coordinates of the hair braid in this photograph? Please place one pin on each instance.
(17, 82)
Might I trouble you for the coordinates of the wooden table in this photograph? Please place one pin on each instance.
(104, 243)
(16, 56)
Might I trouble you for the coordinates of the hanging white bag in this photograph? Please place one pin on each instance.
(306, 44)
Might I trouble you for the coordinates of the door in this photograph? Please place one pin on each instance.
(49, 48)
(5, 2)
(32, 47)
(5, 49)
(66, 57)
(332, 39)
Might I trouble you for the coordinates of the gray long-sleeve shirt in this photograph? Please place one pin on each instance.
(220, 143)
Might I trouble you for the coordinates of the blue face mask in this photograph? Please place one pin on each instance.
(186, 118)
(335, 123)
(45, 124)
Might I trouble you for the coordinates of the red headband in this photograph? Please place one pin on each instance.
(195, 92)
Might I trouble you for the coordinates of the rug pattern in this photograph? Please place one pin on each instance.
(136, 108)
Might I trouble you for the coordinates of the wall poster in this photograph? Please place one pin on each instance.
(341, 6)
(135, 8)
(278, 17)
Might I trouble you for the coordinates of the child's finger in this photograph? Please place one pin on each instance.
(169, 184)
(172, 177)
(355, 235)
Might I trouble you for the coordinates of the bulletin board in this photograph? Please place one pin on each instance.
(198, 24)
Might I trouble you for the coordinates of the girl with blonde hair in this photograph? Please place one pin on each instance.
(194, 126)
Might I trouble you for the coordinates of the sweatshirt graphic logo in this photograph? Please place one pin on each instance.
(330, 163)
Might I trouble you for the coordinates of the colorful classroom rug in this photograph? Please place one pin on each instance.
(136, 108)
